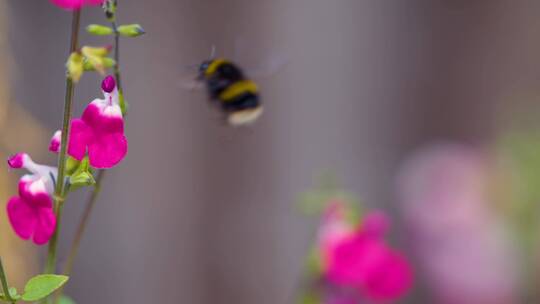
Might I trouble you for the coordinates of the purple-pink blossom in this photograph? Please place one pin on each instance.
(30, 213)
(460, 242)
(357, 256)
(75, 4)
(99, 133)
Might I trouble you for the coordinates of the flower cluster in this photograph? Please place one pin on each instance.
(98, 136)
(354, 260)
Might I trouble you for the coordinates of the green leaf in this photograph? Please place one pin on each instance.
(99, 30)
(13, 293)
(42, 285)
(123, 103)
(66, 300)
(131, 30)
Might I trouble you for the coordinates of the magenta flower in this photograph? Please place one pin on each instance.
(99, 132)
(75, 4)
(31, 214)
(359, 258)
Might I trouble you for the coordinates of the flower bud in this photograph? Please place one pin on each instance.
(99, 30)
(107, 63)
(96, 57)
(75, 67)
(108, 84)
(131, 30)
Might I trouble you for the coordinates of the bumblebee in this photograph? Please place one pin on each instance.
(237, 96)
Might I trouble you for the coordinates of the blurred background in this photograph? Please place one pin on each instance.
(397, 98)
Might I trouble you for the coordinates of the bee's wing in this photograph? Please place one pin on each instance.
(190, 83)
(269, 67)
(271, 64)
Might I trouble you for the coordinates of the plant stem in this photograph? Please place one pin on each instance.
(59, 193)
(5, 285)
(82, 224)
(117, 56)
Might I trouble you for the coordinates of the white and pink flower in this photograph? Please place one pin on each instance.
(99, 133)
(31, 214)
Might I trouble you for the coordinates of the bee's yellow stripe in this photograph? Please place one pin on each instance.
(238, 88)
(213, 66)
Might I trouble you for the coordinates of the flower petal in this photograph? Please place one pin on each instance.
(17, 161)
(375, 224)
(75, 4)
(390, 279)
(46, 222)
(107, 150)
(35, 191)
(54, 146)
(79, 138)
(22, 217)
(104, 116)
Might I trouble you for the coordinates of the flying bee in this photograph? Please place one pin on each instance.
(227, 86)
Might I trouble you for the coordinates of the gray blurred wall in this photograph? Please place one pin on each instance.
(202, 213)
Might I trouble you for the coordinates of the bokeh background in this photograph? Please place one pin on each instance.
(203, 213)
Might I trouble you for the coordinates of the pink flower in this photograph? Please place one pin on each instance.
(461, 245)
(99, 132)
(75, 4)
(31, 214)
(358, 257)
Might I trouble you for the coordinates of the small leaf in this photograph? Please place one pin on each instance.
(131, 30)
(123, 103)
(66, 300)
(42, 285)
(99, 30)
(13, 293)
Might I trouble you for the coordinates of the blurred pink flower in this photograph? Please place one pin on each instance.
(30, 213)
(75, 4)
(99, 132)
(459, 242)
(358, 257)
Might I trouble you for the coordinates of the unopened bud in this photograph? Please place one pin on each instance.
(131, 30)
(99, 30)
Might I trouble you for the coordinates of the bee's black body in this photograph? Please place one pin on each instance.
(237, 96)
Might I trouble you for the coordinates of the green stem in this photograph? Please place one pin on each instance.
(117, 56)
(5, 285)
(59, 193)
(82, 224)
(74, 249)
